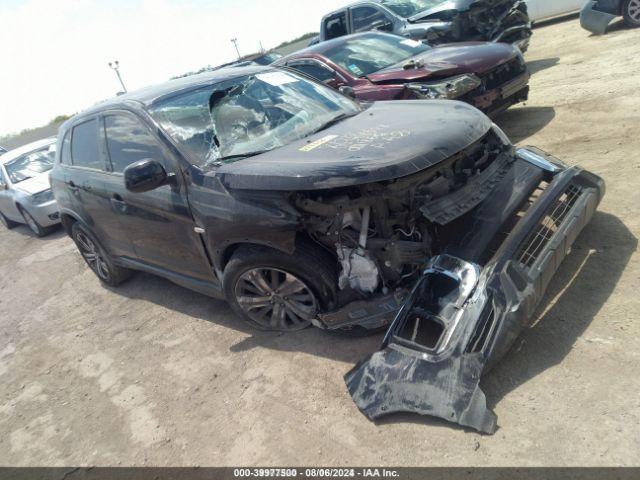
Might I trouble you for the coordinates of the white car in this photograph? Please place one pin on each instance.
(544, 9)
(25, 192)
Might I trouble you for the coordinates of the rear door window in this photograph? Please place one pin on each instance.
(85, 148)
(336, 26)
(314, 70)
(129, 140)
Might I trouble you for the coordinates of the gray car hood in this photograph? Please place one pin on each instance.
(460, 5)
(34, 185)
(388, 140)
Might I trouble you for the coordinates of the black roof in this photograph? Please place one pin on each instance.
(147, 96)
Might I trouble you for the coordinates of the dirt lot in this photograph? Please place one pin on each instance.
(154, 374)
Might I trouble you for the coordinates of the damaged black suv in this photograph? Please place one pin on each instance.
(301, 206)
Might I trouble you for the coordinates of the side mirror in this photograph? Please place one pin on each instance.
(348, 91)
(334, 83)
(144, 176)
(3, 186)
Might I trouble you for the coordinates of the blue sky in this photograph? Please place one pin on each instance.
(55, 52)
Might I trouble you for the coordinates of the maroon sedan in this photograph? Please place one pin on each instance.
(377, 66)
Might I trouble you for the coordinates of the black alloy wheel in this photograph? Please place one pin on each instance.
(93, 256)
(276, 300)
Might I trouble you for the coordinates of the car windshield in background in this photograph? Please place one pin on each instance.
(249, 115)
(364, 55)
(410, 8)
(268, 59)
(30, 165)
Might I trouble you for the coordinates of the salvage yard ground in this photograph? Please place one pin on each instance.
(153, 374)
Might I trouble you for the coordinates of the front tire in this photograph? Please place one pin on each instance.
(274, 291)
(8, 224)
(631, 13)
(97, 258)
(33, 225)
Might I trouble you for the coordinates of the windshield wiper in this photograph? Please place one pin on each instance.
(413, 64)
(242, 155)
(334, 121)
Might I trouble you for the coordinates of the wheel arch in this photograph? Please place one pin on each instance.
(67, 219)
(223, 255)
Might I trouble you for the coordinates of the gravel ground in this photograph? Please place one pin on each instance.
(153, 374)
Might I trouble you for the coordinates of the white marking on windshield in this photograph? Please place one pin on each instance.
(318, 143)
(411, 43)
(276, 78)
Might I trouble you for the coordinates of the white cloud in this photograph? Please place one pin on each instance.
(56, 52)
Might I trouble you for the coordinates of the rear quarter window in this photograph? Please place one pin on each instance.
(85, 149)
(336, 26)
(314, 71)
(65, 153)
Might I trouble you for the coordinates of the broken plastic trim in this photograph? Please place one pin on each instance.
(438, 380)
(439, 296)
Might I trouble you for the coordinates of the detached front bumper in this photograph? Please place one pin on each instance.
(46, 214)
(460, 319)
(595, 21)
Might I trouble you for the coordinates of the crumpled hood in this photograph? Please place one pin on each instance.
(35, 184)
(389, 140)
(459, 5)
(448, 60)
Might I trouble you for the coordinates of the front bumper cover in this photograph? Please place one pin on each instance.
(46, 214)
(475, 317)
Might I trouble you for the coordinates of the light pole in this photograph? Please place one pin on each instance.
(115, 66)
(235, 44)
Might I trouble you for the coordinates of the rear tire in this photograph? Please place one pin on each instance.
(34, 226)
(97, 257)
(9, 224)
(273, 291)
(631, 13)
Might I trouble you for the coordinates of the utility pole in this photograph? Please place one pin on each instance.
(261, 48)
(115, 66)
(235, 44)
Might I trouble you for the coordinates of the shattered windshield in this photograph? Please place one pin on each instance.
(250, 115)
(367, 54)
(30, 165)
(410, 8)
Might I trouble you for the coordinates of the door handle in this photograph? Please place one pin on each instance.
(117, 198)
(118, 203)
(73, 187)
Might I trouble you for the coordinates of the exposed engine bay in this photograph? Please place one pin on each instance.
(385, 233)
